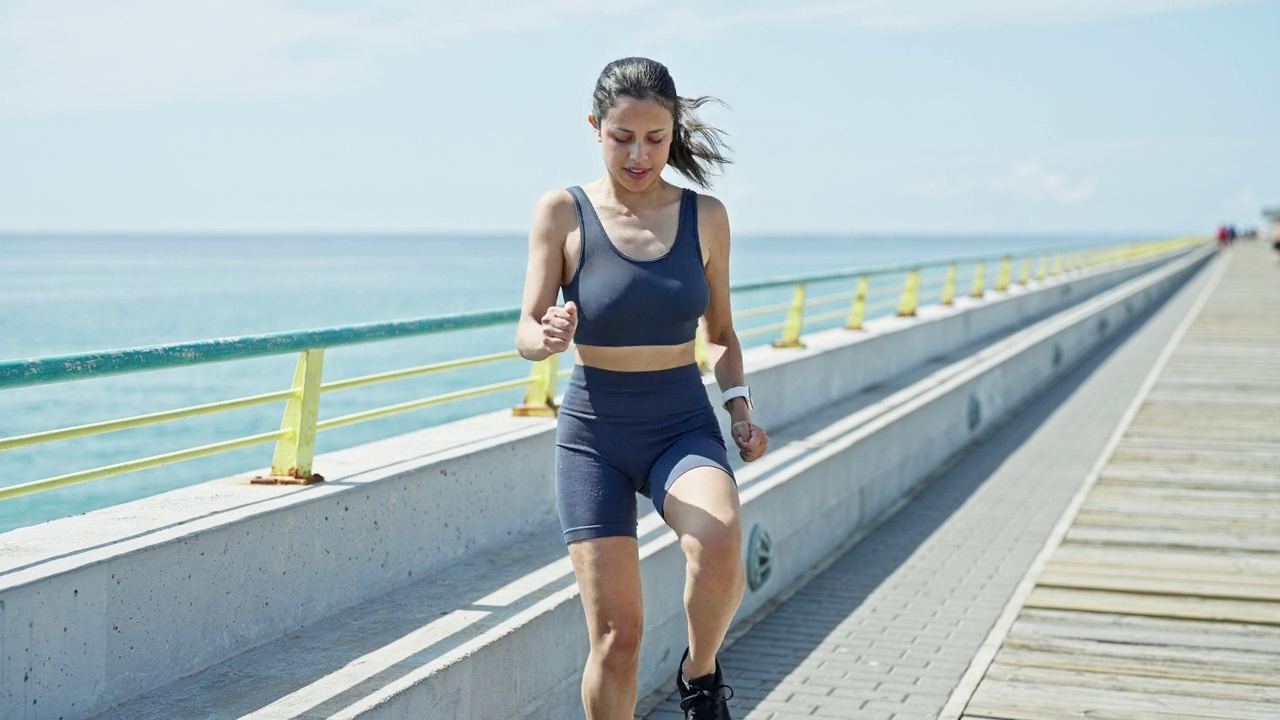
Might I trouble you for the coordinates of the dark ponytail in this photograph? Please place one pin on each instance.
(697, 149)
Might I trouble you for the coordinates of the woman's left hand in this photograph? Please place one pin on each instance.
(751, 440)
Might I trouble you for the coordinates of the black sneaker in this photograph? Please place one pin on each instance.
(703, 698)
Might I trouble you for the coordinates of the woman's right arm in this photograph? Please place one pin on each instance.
(544, 328)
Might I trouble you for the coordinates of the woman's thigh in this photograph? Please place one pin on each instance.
(608, 572)
(702, 504)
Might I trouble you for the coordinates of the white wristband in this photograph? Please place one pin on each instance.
(738, 391)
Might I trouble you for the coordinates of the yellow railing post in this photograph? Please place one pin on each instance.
(859, 309)
(1006, 270)
(979, 279)
(795, 320)
(700, 354)
(1025, 275)
(1044, 267)
(540, 398)
(291, 463)
(949, 287)
(910, 294)
(1057, 265)
(1071, 262)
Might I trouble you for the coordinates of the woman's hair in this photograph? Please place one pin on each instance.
(696, 147)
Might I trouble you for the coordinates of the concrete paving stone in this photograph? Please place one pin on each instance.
(800, 707)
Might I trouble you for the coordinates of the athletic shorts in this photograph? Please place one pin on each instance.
(622, 433)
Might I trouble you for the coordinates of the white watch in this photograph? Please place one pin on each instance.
(737, 391)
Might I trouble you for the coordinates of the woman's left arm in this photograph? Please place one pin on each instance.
(723, 349)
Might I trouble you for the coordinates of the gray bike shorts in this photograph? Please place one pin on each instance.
(622, 433)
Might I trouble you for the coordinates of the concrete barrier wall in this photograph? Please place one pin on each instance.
(98, 608)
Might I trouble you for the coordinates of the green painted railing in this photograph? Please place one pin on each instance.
(295, 440)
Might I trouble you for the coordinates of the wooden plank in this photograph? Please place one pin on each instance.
(1190, 559)
(1262, 527)
(1139, 630)
(1169, 656)
(1133, 683)
(1180, 587)
(1192, 576)
(1258, 542)
(1164, 493)
(1209, 462)
(1119, 473)
(1262, 510)
(1110, 665)
(1155, 606)
(1202, 446)
(1028, 702)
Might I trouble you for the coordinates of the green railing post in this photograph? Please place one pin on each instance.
(794, 323)
(859, 309)
(949, 288)
(979, 279)
(910, 294)
(291, 463)
(1006, 271)
(540, 398)
(1044, 267)
(1025, 276)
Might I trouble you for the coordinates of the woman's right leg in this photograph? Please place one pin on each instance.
(608, 571)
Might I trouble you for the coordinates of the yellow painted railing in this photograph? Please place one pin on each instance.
(295, 440)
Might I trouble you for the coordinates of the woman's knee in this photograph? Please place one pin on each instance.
(618, 646)
(714, 549)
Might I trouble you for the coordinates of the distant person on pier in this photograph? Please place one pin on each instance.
(641, 262)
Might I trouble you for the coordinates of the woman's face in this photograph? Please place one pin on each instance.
(635, 137)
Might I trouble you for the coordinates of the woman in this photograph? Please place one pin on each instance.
(640, 262)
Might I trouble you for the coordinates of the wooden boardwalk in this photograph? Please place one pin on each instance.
(1163, 600)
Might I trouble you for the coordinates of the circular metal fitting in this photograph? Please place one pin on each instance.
(759, 558)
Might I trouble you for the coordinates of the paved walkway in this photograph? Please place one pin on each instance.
(1162, 599)
(889, 628)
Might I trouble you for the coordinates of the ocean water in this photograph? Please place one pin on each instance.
(69, 294)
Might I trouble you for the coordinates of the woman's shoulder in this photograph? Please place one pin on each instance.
(711, 204)
(556, 211)
(712, 213)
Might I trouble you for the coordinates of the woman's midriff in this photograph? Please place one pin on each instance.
(639, 358)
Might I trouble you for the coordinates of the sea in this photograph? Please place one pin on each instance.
(65, 294)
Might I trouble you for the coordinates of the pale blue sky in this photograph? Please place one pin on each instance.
(879, 115)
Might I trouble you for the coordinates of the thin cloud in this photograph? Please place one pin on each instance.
(1030, 181)
(69, 55)
(702, 22)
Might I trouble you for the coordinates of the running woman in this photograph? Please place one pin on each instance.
(640, 261)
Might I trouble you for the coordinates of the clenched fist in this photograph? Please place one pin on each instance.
(751, 439)
(558, 326)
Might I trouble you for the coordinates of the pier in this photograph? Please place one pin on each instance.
(1112, 552)
(1054, 492)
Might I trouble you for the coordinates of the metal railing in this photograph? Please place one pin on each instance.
(912, 285)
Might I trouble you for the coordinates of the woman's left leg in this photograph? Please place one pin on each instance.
(702, 507)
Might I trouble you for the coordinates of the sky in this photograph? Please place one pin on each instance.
(908, 116)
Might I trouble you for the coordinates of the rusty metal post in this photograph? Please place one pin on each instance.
(979, 280)
(910, 294)
(1006, 273)
(291, 463)
(859, 309)
(540, 398)
(949, 287)
(794, 323)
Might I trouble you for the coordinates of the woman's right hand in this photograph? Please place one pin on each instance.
(558, 326)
